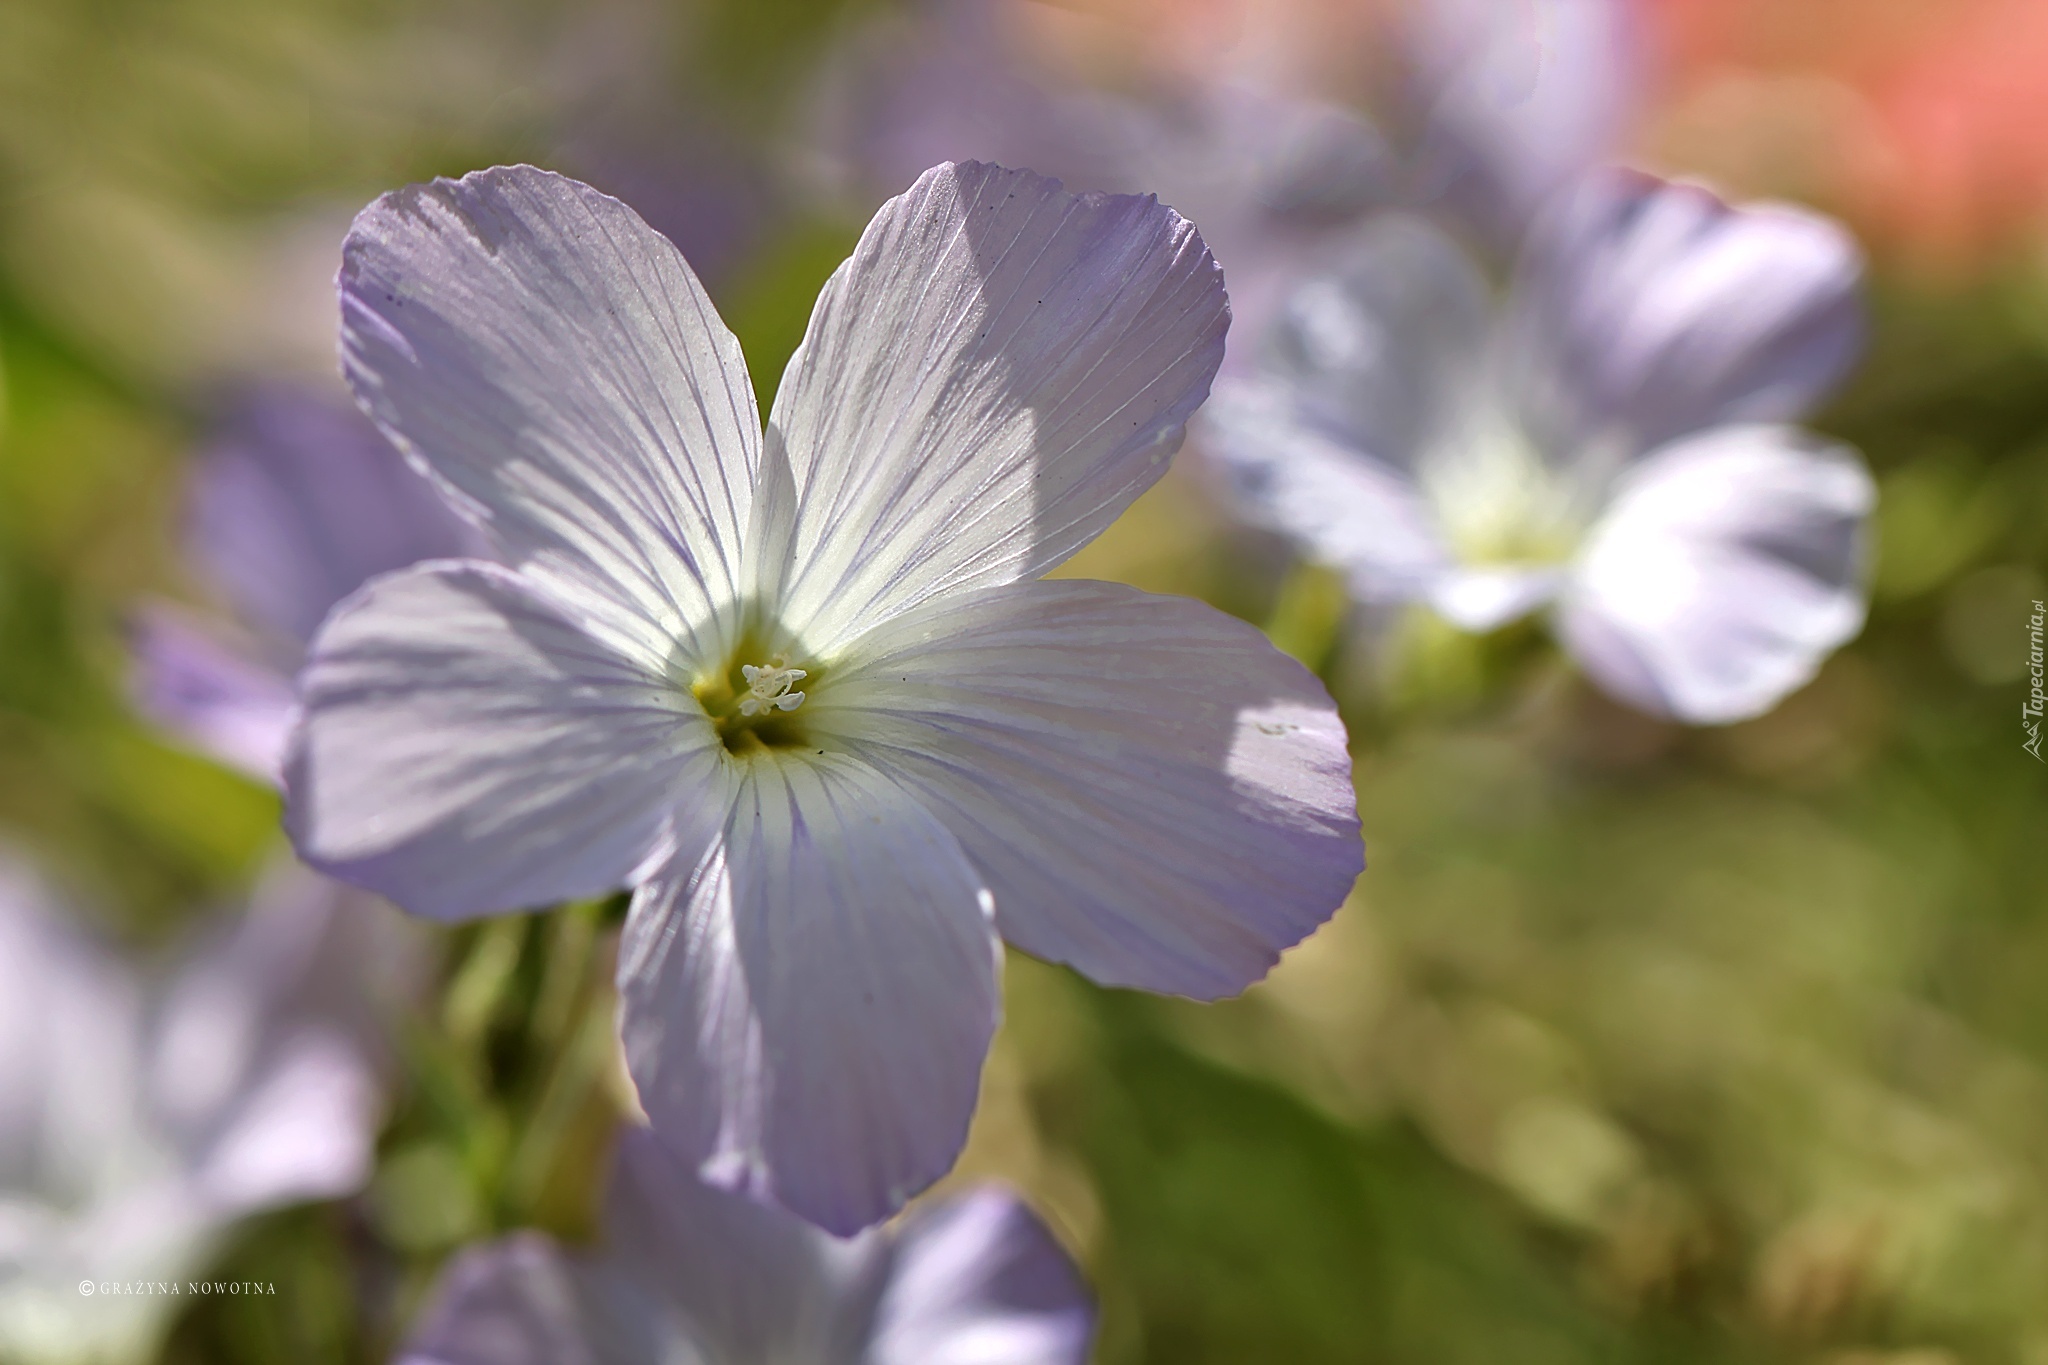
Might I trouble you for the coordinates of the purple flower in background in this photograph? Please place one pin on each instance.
(1513, 100)
(140, 1114)
(1500, 102)
(808, 694)
(692, 1275)
(1609, 441)
(296, 502)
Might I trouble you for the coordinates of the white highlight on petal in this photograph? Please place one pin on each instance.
(768, 688)
(1728, 567)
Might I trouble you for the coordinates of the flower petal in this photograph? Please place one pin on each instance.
(1385, 348)
(213, 697)
(995, 374)
(299, 501)
(1273, 179)
(464, 749)
(1268, 175)
(1369, 375)
(1657, 310)
(1520, 96)
(806, 1008)
(1156, 795)
(1487, 597)
(71, 1017)
(978, 1280)
(553, 361)
(1338, 505)
(262, 1050)
(1727, 568)
(304, 1126)
(522, 1301)
(754, 1282)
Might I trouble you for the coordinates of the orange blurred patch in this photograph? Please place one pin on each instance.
(1968, 123)
(1322, 45)
(1926, 120)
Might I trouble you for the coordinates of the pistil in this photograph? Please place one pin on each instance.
(768, 688)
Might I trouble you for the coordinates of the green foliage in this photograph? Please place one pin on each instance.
(1242, 1223)
(754, 52)
(768, 303)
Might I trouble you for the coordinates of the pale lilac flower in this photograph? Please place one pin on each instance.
(692, 1275)
(293, 505)
(1138, 786)
(1512, 101)
(1609, 442)
(143, 1113)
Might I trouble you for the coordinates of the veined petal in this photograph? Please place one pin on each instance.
(553, 361)
(990, 379)
(1274, 180)
(1339, 505)
(1727, 568)
(978, 1280)
(1156, 795)
(464, 749)
(806, 1007)
(1657, 310)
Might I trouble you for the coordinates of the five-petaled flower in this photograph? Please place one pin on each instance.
(692, 1275)
(1137, 786)
(1610, 442)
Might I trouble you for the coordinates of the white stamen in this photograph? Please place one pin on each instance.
(768, 689)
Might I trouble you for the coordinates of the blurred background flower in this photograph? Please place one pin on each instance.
(146, 1111)
(1609, 441)
(1637, 1043)
(696, 1275)
(295, 503)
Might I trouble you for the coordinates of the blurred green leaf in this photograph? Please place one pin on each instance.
(1242, 1224)
(768, 303)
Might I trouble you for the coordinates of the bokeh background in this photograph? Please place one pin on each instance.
(1635, 1043)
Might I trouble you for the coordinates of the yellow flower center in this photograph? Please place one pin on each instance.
(754, 706)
